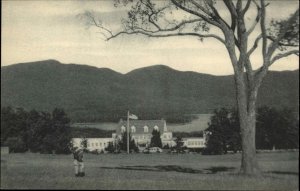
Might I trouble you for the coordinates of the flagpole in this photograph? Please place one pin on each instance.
(128, 132)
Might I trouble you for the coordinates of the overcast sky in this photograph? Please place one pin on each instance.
(40, 30)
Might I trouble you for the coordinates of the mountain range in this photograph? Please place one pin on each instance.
(99, 94)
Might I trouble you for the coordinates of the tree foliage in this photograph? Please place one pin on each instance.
(275, 129)
(179, 145)
(155, 139)
(35, 131)
(111, 148)
(224, 132)
(123, 143)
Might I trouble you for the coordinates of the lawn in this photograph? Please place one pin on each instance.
(148, 171)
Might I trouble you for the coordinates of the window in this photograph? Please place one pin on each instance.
(88, 144)
(146, 129)
(92, 144)
(133, 129)
(123, 129)
(96, 144)
(100, 144)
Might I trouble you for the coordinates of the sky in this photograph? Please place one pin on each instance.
(34, 30)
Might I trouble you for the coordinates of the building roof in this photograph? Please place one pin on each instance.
(140, 124)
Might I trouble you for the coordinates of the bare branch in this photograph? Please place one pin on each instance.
(216, 13)
(282, 55)
(246, 7)
(255, 45)
(256, 20)
(153, 13)
(181, 24)
(229, 4)
(264, 32)
(201, 8)
(166, 35)
(270, 38)
(205, 18)
(97, 24)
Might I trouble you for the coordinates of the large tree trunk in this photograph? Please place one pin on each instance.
(246, 99)
(249, 164)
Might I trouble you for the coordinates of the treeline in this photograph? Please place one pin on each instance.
(35, 131)
(275, 129)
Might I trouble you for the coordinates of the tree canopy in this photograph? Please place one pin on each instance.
(35, 131)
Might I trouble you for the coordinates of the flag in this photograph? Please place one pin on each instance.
(131, 116)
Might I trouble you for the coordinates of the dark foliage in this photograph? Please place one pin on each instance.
(155, 139)
(35, 131)
(179, 148)
(275, 129)
(224, 132)
(122, 144)
(111, 148)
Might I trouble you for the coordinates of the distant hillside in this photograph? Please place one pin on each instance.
(99, 94)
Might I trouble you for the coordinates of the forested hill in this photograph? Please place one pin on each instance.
(100, 94)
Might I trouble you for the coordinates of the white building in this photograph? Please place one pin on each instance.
(93, 144)
(194, 142)
(141, 131)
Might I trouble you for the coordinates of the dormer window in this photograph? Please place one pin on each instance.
(123, 129)
(133, 129)
(146, 129)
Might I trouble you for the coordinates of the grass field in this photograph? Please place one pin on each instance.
(148, 171)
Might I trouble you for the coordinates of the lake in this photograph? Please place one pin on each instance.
(199, 124)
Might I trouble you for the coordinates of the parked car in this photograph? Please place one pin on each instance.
(153, 150)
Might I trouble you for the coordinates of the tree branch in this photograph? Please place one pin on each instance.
(181, 24)
(246, 7)
(148, 4)
(166, 35)
(282, 44)
(256, 21)
(264, 32)
(255, 45)
(270, 38)
(282, 55)
(216, 13)
(274, 45)
(99, 25)
(229, 4)
(205, 18)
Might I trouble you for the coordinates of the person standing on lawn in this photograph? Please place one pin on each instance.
(78, 162)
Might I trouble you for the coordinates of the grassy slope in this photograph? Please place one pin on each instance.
(154, 171)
